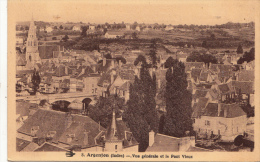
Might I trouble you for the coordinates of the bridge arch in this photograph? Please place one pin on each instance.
(85, 105)
(61, 105)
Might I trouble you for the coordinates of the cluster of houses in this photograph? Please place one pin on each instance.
(219, 93)
(49, 130)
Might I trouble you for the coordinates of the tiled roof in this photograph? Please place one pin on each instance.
(232, 110)
(106, 77)
(127, 74)
(227, 110)
(49, 120)
(49, 147)
(195, 73)
(21, 144)
(22, 108)
(224, 89)
(31, 147)
(88, 71)
(200, 107)
(56, 54)
(164, 143)
(245, 87)
(125, 86)
(60, 71)
(246, 75)
(214, 94)
(123, 133)
(203, 76)
(118, 32)
(105, 68)
(46, 51)
(211, 110)
(81, 125)
(200, 93)
(23, 79)
(190, 65)
(20, 60)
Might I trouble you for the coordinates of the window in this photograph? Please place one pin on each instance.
(115, 147)
(207, 122)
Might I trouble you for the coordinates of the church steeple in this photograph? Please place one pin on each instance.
(112, 132)
(32, 54)
(113, 140)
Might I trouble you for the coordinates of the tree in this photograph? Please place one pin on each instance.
(61, 27)
(239, 49)
(102, 110)
(108, 56)
(134, 35)
(212, 36)
(178, 100)
(84, 30)
(153, 53)
(123, 60)
(36, 80)
(195, 56)
(55, 27)
(141, 114)
(204, 44)
(248, 56)
(65, 38)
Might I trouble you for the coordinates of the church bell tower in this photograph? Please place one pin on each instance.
(32, 53)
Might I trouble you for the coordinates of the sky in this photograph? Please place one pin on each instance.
(198, 12)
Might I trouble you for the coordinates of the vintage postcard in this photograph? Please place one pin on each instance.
(133, 80)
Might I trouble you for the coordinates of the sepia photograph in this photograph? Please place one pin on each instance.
(131, 80)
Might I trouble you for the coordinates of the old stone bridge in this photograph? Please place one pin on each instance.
(57, 97)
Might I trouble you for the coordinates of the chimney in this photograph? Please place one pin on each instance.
(104, 61)
(66, 70)
(151, 138)
(112, 78)
(113, 63)
(219, 107)
(83, 70)
(119, 63)
(225, 112)
(85, 141)
(125, 135)
(94, 68)
(34, 130)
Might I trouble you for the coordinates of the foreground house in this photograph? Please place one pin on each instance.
(219, 121)
(164, 143)
(48, 130)
(63, 130)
